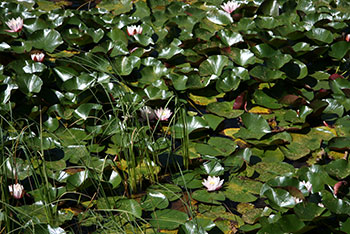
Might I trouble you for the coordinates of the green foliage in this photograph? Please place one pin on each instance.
(259, 97)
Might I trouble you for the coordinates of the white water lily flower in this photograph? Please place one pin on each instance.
(15, 25)
(320, 205)
(307, 185)
(163, 114)
(147, 112)
(213, 183)
(38, 57)
(230, 6)
(16, 190)
(133, 30)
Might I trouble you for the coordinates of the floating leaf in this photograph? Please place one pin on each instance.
(320, 34)
(125, 64)
(230, 37)
(224, 109)
(242, 190)
(154, 200)
(242, 57)
(29, 83)
(219, 17)
(339, 168)
(208, 197)
(171, 50)
(168, 219)
(269, 170)
(255, 127)
(46, 39)
(295, 69)
(190, 124)
(266, 74)
(129, 207)
(213, 65)
(339, 49)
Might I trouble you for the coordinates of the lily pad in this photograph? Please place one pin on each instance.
(168, 219)
(255, 127)
(242, 190)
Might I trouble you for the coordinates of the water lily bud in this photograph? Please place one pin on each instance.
(133, 30)
(38, 57)
(347, 37)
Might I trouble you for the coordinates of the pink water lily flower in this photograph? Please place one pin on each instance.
(347, 37)
(15, 25)
(133, 30)
(163, 114)
(213, 183)
(230, 6)
(16, 190)
(38, 57)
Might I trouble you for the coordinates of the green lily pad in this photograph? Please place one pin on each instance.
(255, 127)
(213, 120)
(129, 207)
(230, 37)
(336, 205)
(295, 69)
(29, 83)
(269, 170)
(224, 109)
(320, 34)
(242, 57)
(168, 219)
(154, 200)
(125, 65)
(242, 190)
(171, 191)
(308, 211)
(339, 49)
(228, 82)
(219, 17)
(191, 123)
(208, 197)
(266, 74)
(117, 6)
(278, 197)
(213, 65)
(339, 143)
(46, 39)
(171, 50)
(339, 168)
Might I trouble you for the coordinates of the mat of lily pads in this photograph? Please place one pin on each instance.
(166, 116)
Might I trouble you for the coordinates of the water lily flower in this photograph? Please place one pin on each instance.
(133, 30)
(320, 205)
(15, 25)
(213, 183)
(230, 6)
(38, 57)
(163, 114)
(307, 185)
(16, 190)
(147, 113)
(347, 37)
